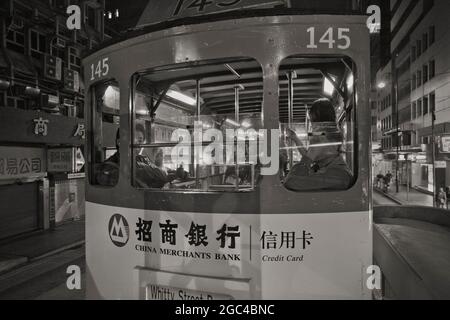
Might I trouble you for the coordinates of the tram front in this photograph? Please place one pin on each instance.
(230, 160)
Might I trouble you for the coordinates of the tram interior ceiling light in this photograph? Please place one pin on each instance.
(232, 122)
(181, 97)
(381, 85)
(246, 124)
(350, 81)
(328, 87)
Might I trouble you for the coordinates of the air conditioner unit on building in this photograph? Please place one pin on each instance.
(71, 80)
(60, 43)
(52, 67)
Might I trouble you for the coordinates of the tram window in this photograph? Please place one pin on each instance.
(181, 116)
(105, 133)
(317, 111)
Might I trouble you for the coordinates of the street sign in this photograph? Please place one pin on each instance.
(440, 164)
(445, 144)
(165, 10)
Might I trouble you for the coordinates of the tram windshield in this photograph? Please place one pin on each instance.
(317, 110)
(195, 126)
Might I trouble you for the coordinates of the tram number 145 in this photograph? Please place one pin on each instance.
(99, 69)
(329, 38)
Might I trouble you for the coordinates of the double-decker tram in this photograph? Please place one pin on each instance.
(229, 159)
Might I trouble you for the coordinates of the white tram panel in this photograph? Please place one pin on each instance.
(324, 269)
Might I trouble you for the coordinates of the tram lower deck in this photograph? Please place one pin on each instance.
(230, 160)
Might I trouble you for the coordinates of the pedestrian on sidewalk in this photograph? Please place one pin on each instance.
(447, 192)
(379, 180)
(441, 198)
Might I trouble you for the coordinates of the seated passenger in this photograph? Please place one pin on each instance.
(322, 167)
(107, 173)
(150, 172)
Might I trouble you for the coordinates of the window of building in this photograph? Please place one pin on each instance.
(419, 108)
(38, 44)
(425, 42)
(414, 82)
(16, 102)
(419, 48)
(413, 110)
(432, 102)
(425, 105)
(413, 53)
(196, 125)
(104, 167)
(91, 16)
(74, 61)
(432, 69)
(419, 78)
(15, 39)
(432, 36)
(425, 73)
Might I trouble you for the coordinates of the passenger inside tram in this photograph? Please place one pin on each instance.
(150, 172)
(107, 173)
(322, 166)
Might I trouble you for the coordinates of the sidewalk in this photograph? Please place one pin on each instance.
(411, 198)
(39, 245)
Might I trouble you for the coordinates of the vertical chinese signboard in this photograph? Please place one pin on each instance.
(61, 160)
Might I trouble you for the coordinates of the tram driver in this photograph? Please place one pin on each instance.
(322, 166)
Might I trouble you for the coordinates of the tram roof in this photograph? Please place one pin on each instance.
(217, 87)
(228, 15)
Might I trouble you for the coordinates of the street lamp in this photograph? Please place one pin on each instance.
(381, 85)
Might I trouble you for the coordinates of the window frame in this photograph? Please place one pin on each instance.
(37, 51)
(14, 44)
(133, 90)
(350, 111)
(93, 128)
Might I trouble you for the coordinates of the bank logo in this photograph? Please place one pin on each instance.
(119, 230)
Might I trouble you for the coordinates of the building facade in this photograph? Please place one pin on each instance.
(42, 111)
(413, 92)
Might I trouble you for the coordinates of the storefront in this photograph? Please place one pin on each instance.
(39, 186)
(22, 185)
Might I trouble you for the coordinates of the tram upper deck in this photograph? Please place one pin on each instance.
(259, 239)
(252, 73)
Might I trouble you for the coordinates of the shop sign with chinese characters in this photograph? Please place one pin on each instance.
(445, 144)
(21, 162)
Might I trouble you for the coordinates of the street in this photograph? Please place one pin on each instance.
(44, 279)
(380, 200)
